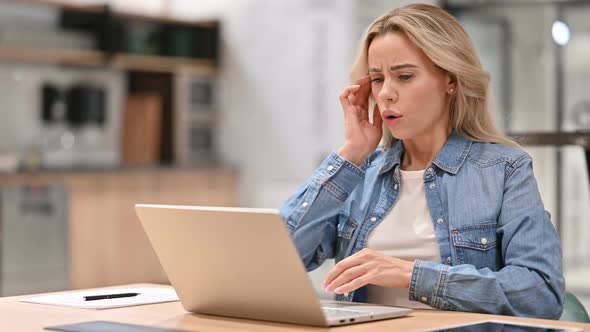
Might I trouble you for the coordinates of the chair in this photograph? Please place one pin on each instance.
(573, 310)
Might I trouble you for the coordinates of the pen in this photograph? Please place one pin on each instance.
(108, 296)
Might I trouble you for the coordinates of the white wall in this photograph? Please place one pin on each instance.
(278, 63)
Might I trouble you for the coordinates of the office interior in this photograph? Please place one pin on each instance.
(234, 103)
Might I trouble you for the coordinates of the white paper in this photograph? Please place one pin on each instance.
(76, 299)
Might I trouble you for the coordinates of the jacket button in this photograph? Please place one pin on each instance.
(373, 219)
(440, 221)
(330, 168)
(395, 186)
(304, 204)
(429, 170)
(449, 260)
(424, 299)
(433, 186)
(484, 241)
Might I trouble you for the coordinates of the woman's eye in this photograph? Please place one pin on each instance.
(405, 77)
(376, 80)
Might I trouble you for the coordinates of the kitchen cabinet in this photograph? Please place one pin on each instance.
(107, 245)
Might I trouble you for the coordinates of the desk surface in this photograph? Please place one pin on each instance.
(20, 316)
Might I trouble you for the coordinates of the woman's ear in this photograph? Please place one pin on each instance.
(451, 84)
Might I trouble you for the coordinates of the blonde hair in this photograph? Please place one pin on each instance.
(444, 41)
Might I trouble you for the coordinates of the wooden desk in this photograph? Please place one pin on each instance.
(19, 316)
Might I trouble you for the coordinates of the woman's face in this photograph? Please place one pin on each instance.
(411, 91)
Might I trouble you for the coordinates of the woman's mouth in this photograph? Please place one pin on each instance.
(391, 118)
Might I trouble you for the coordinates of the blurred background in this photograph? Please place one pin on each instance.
(105, 104)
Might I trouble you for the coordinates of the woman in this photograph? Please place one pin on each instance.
(446, 212)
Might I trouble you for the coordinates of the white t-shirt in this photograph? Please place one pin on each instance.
(407, 233)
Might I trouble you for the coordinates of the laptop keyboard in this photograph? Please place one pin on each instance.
(335, 313)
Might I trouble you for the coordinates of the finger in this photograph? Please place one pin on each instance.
(363, 80)
(346, 277)
(364, 92)
(350, 89)
(354, 284)
(377, 119)
(352, 98)
(346, 93)
(361, 101)
(343, 265)
(364, 113)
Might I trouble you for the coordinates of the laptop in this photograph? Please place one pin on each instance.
(241, 262)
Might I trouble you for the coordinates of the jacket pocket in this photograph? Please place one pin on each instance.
(475, 244)
(346, 227)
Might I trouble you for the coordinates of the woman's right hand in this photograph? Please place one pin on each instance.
(361, 136)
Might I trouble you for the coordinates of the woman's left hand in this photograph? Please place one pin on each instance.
(368, 267)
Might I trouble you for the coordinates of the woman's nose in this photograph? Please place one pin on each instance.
(388, 93)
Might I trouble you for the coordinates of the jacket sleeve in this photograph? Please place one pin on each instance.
(311, 214)
(531, 284)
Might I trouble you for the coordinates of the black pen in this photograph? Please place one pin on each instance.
(108, 296)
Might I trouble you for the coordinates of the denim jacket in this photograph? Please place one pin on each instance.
(500, 253)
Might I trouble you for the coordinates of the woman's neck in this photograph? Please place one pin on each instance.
(420, 151)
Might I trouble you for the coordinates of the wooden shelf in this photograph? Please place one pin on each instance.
(162, 19)
(124, 61)
(99, 8)
(137, 62)
(154, 63)
(555, 138)
(64, 4)
(52, 56)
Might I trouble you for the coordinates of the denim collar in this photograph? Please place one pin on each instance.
(449, 159)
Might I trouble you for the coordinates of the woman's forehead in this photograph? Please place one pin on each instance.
(394, 48)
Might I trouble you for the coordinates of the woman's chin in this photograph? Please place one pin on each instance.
(398, 134)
